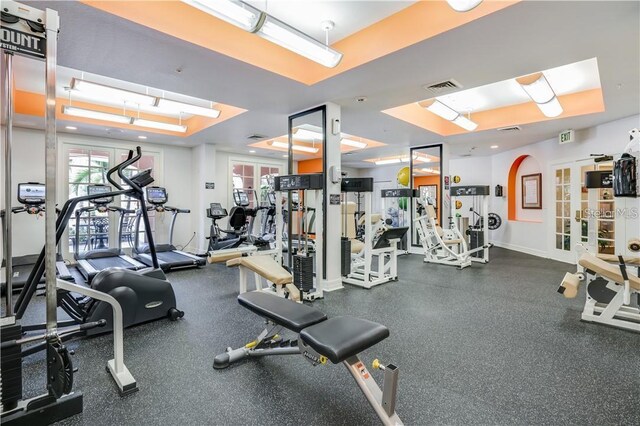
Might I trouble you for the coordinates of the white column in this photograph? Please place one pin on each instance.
(203, 160)
(333, 214)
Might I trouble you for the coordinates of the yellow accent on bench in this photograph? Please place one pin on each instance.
(607, 270)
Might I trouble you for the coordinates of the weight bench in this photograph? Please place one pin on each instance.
(338, 340)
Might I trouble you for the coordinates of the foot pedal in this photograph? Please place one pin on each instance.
(294, 343)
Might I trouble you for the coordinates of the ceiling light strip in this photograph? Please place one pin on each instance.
(285, 145)
(112, 94)
(95, 115)
(442, 110)
(250, 19)
(540, 91)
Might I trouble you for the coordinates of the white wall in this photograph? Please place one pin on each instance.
(531, 237)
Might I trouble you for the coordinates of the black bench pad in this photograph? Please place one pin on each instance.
(284, 312)
(342, 337)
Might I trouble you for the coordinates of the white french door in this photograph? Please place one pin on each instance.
(581, 215)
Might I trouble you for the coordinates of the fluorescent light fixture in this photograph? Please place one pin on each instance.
(352, 143)
(71, 128)
(494, 147)
(387, 161)
(142, 137)
(308, 135)
(159, 125)
(110, 94)
(237, 13)
(465, 123)
(404, 159)
(288, 37)
(285, 145)
(441, 110)
(252, 151)
(95, 115)
(540, 91)
(180, 107)
(463, 5)
(430, 170)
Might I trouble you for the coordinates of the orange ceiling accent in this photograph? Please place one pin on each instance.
(29, 103)
(574, 104)
(418, 22)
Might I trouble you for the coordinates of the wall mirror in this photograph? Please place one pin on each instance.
(426, 167)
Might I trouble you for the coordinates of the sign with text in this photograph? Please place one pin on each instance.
(567, 136)
(24, 43)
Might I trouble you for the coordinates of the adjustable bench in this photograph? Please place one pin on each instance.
(338, 339)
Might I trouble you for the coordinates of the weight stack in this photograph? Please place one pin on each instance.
(11, 368)
(345, 255)
(476, 240)
(303, 272)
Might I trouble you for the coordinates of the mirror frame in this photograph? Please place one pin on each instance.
(442, 188)
(323, 110)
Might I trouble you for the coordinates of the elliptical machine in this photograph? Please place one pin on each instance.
(241, 200)
(235, 235)
(144, 295)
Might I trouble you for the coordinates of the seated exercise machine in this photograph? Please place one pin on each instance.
(319, 339)
(144, 295)
(395, 207)
(92, 261)
(31, 195)
(610, 290)
(169, 257)
(363, 253)
(241, 200)
(234, 235)
(447, 246)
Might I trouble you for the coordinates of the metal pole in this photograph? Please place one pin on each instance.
(8, 139)
(51, 158)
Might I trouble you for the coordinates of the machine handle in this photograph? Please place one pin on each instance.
(115, 169)
(126, 164)
(578, 216)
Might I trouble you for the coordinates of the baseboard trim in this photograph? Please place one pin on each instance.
(521, 249)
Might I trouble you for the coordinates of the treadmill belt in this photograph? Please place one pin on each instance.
(101, 263)
(175, 259)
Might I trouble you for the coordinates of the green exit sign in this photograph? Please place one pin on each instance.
(567, 136)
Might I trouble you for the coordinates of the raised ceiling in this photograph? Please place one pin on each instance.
(516, 40)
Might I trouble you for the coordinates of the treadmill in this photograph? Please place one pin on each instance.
(92, 261)
(169, 257)
(31, 196)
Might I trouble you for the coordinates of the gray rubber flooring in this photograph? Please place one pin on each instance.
(492, 344)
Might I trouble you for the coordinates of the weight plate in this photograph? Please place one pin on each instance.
(494, 221)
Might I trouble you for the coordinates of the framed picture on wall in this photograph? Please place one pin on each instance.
(532, 191)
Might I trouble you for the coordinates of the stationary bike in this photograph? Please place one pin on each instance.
(235, 235)
(144, 295)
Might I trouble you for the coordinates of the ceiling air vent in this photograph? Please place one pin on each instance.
(256, 137)
(510, 129)
(442, 86)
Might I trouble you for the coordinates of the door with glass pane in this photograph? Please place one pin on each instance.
(86, 166)
(567, 211)
(582, 216)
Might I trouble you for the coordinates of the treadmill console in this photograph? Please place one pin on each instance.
(31, 194)
(156, 195)
(240, 197)
(295, 182)
(97, 190)
(216, 211)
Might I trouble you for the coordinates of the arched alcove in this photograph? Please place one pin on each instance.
(512, 188)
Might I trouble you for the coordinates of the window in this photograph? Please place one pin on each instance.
(255, 178)
(87, 166)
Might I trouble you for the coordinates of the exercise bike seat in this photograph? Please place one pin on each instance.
(286, 313)
(340, 338)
